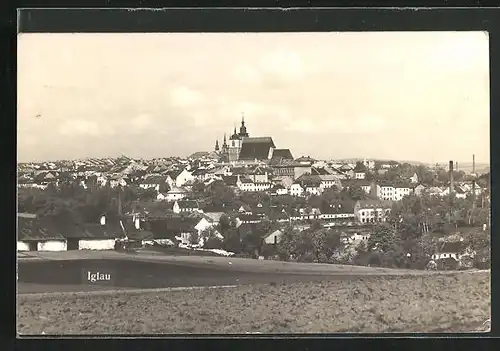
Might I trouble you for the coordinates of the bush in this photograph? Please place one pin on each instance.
(268, 250)
(447, 264)
(213, 243)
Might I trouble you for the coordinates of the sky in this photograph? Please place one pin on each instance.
(419, 96)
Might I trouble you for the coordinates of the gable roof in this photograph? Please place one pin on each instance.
(174, 173)
(321, 171)
(275, 232)
(374, 203)
(256, 148)
(305, 159)
(283, 154)
(95, 231)
(230, 180)
(198, 154)
(181, 224)
(248, 217)
(176, 190)
(36, 229)
(154, 180)
(187, 204)
(451, 247)
(168, 228)
(213, 216)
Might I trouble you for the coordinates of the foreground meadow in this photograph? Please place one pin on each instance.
(434, 303)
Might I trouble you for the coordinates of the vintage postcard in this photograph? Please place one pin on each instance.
(233, 183)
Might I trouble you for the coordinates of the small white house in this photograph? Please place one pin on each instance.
(359, 175)
(96, 244)
(175, 194)
(449, 250)
(52, 245)
(203, 225)
(186, 206)
(32, 235)
(296, 190)
(23, 246)
(273, 238)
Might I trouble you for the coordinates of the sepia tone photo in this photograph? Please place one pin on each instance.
(253, 183)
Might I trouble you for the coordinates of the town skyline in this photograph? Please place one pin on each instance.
(419, 96)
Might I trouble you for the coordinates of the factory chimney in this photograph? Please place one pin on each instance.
(473, 181)
(451, 178)
(456, 166)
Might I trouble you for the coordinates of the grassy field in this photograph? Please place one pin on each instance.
(438, 303)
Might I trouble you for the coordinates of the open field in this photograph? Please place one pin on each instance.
(435, 303)
(66, 271)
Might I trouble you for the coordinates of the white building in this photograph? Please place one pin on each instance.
(175, 194)
(273, 238)
(394, 192)
(296, 190)
(401, 191)
(372, 211)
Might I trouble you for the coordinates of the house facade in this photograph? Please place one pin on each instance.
(372, 211)
(296, 190)
(185, 206)
(175, 194)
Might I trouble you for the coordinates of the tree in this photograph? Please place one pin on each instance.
(198, 187)
(288, 246)
(325, 243)
(222, 196)
(360, 166)
(231, 241)
(144, 195)
(224, 224)
(315, 201)
(356, 193)
(194, 238)
(480, 243)
(383, 238)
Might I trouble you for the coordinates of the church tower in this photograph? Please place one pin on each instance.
(243, 129)
(236, 142)
(224, 145)
(216, 145)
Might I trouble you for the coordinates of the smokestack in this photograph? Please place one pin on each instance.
(451, 178)
(474, 164)
(473, 181)
(120, 201)
(456, 166)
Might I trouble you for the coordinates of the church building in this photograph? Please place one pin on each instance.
(245, 149)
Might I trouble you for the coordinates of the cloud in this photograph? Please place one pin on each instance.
(467, 50)
(303, 126)
(272, 68)
(28, 140)
(185, 97)
(141, 122)
(370, 124)
(247, 74)
(283, 63)
(81, 127)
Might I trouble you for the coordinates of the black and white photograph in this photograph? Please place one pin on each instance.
(253, 183)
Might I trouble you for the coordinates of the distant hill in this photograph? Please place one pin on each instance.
(417, 163)
(480, 167)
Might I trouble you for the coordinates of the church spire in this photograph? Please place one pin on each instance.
(243, 129)
(216, 145)
(225, 144)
